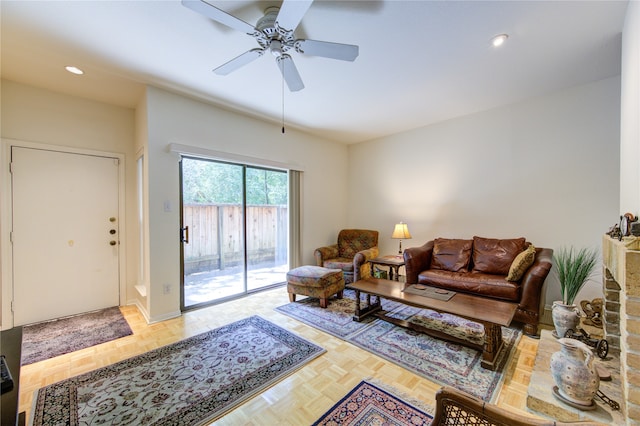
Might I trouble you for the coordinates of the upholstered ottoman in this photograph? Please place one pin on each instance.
(315, 281)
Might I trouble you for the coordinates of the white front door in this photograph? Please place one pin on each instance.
(65, 233)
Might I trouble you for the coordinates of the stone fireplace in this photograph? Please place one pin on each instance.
(621, 316)
(621, 329)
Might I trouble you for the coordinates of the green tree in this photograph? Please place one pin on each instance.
(212, 182)
(266, 187)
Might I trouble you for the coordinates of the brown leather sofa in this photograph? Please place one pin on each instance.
(487, 267)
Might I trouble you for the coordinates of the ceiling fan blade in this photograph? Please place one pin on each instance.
(343, 52)
(290, 73)
(239, 61)
(291, 13)
(219, 15)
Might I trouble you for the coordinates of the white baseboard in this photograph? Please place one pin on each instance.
(142, 310)
(160, 318)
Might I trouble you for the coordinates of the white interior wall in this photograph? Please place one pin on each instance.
(33, 115)
(630, 113)
(546, 169)
(138, 295)
(446, 179)
(175, 119)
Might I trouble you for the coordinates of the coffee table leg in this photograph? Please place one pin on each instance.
(492, 345)
(363, 312)
(357, 312)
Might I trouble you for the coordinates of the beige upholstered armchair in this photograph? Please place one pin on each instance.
(351, 254)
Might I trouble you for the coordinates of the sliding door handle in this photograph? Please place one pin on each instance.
(184, 235)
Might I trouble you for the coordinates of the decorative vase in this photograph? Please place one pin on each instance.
(575, 374)
(565, 317)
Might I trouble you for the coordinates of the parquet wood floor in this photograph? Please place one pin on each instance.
(299, 399)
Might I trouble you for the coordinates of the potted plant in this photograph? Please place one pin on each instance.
(574, 270)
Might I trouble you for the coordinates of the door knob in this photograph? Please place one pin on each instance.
(112, 242)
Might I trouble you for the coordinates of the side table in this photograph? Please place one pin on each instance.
(394, 262)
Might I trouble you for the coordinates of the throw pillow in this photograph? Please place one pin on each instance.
(495, 256)
(451, 254)
(521, 263)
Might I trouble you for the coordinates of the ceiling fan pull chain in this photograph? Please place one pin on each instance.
(283, 101)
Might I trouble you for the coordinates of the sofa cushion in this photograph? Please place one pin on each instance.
(341, 263)
(495, 256)
(489, 285)
(521, 263)
(451, 254)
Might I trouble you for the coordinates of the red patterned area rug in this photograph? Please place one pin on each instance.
(61, 336)
(368, 404)
(191, 382)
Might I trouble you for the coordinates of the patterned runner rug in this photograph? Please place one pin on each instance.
(49, 339)
(368, 404)
(190, 382)
(442, 362)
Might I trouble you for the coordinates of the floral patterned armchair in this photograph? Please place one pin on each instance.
(351, 254)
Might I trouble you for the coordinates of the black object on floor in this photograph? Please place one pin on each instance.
(5, 375)
(11, 344)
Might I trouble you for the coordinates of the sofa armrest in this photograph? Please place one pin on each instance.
(361, 265)
(324, 253)
(533, 280)
(416, 260)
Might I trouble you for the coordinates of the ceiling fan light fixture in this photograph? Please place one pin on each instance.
(499, 40)
(275, 47)
(74, 70)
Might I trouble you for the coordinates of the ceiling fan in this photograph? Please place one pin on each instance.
(274, 33)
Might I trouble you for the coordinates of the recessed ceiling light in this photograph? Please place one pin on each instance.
(74, 70)
(499, 40)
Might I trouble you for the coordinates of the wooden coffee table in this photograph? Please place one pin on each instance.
(491, 313)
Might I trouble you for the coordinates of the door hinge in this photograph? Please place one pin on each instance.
(11, 237)
(11, 167)
(12, 311)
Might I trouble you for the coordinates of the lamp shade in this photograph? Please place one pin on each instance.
(401, 231)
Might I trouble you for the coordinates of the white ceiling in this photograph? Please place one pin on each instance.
(420, 62)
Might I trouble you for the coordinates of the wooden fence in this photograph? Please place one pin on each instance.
(215, 236)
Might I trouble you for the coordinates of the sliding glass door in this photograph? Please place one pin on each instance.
(267, 226)
(234, 230)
